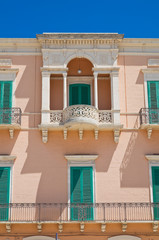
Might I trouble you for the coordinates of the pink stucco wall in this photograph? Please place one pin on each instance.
(39, 166)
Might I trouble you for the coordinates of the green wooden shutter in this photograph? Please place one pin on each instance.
(85, 94)
(79, 94)
(6, 102)
(153, 101)
(4, 192)
(82, 193)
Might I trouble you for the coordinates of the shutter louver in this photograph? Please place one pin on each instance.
(81, 193)
(153, 101)
(4, 192)
(85, 94)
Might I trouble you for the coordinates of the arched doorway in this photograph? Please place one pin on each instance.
(124, 237)
(38, 238)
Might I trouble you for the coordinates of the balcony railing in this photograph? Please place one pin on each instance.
(81, 113)
(64, 212)
(149, 116)
(10, 116)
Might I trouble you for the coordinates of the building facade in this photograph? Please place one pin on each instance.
(79, 121)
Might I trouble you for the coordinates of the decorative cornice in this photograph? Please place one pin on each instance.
(7, 159)
(54, 70)
(9, 70)
(81, 158)
(150, 70)
(154, 157)
(5, 62)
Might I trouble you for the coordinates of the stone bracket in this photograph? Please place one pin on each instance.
(149, 132)
(65, 134)
(82, 227)
(80, 134)
(124, 226)
(96, 134)
(11, 133)
(103, 227)
(155, 226)
(60, 227)
(39, 227)
(116, 135)
(45, 136)
(8, 227)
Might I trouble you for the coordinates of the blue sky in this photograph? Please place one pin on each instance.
(26, 18)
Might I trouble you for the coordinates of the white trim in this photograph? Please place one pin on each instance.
(38, 238)
(124, 237)
(149, 75)
(81, 158)
(86, 163)
(152, 158)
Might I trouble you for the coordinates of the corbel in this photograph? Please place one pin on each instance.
(39, 227)
(60, 227)
(96, 134)
(11, 133)
(65, 134)
(82, 227)
(80, 134)
(45, 136)
(155, 226)
(116, 135)
(8, 227)
(124, 226)
(149, 132)
(103, 227)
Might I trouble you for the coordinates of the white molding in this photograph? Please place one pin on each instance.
(153, 62)
(124, 237)
(152, 157)
(150, 74)
(38, 238)
(7, 160)
(75, 163)
(5, 62)
(81, 158)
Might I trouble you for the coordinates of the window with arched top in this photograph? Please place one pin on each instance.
(124, 237)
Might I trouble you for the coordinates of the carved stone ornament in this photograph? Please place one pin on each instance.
(39, 227)
(65, 134)
(124, 226)
(11, 133)
(149, 133)
(116, 135)
(80, 134)
(82, 227)
(45, 136)
(60, 227)
(96, 134)
(8, 227)
(103, 227)
(155, 226)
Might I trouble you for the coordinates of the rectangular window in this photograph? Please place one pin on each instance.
(79, 94)
(5, 102)
(153, 101)
(155, 187)
(81, 193)
(4, 192)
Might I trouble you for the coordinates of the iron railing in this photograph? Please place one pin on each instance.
(10, 115)
(149, 116)
(64, 212)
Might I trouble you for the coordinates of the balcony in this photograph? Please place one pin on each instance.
(64, 212)
(10, 118)
(149, 120)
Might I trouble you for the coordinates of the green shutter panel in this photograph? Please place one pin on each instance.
(73, 94)
(85, 94)
(152, 94)
(155, 184)
(88, 193)
(75, 192)
(1, 94)
(7, 102)
(153, 101)
(4, 192)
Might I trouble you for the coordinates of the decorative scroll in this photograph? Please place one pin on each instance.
(56, 117)
(105, 116)
(84, 111)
